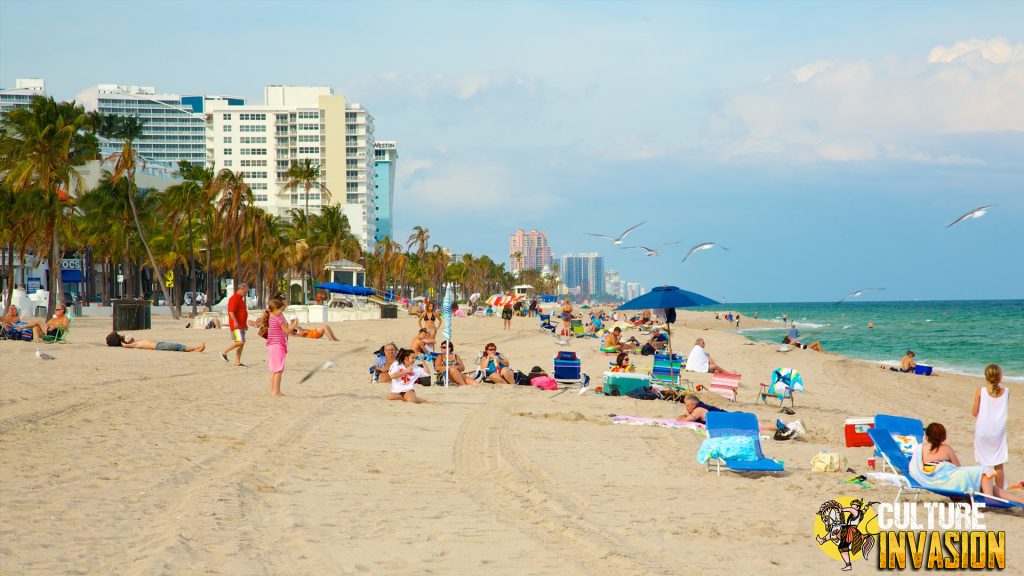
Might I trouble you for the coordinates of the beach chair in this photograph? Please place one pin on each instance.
(900, 462)
(665, 375)
(898, 426)
(568, 369)
(722, 424)
(577, 328)
(725, 384)
(545, 322)
(785, 381)
(61, 337)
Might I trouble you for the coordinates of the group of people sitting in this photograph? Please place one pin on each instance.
(12, 326)
(492, 366)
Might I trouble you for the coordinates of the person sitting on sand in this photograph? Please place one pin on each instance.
(495, 366)
(816, 345)
(118, 341)
(645, 317)
(383, 362)
(404, 374)
(934, 464)
(315, 333)
(423, 346)
(622, 363)
(51, 326)
(697, 411)
(659, 340)
(907, 364)
(613, 342)
(453, 363)
(700, 361)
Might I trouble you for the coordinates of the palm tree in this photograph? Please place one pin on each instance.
(420, 237)
(126, 162)
(304, 173)
(186, 199)
(235, 195)
(40, 145)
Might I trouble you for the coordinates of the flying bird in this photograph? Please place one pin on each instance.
(323, 366)
(43, 355)
(652, 251)
(618, 241)
(976, 213)
(703, 246)
(857, 293)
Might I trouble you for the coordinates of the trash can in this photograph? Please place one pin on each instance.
(388, 311)
(41, 312)
(132, 315)
(77, 307)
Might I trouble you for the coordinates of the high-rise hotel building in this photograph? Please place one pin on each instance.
(528, 250)
(294, 124)
(385, 155)
(23, 92)
(584, 271)
(173, 126)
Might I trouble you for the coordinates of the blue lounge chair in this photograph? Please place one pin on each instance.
(899, 426)
(569, 370)
(900, 462)
(722, 424)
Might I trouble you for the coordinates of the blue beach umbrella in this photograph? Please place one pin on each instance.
(667, 297)
(446, 317)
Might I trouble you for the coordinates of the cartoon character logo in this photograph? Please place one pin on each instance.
(845, 529)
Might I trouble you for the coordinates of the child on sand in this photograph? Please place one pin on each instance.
(990, 408)
(404, 374)
(277, 342)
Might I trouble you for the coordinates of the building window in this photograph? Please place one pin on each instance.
(227, 163)
(352, 186)
(227, 127)
(227, 117)
(227, 151)
(227, 139)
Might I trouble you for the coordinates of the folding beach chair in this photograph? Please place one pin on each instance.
(568, 369)
(62, 333)
(902, 427)
(725, 384)
(665, 375)
(900, 462)
(545, 322)
(723, 424)
(785, 381)
(577, 328)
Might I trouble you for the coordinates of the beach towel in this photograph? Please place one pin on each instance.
(737, 448)
(662, 422)
(945, 475)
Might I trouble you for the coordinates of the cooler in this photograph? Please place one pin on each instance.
(923, 370)
(857, 432)
(622, 383)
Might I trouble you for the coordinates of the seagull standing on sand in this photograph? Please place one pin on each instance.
(652, 251)
(43, 355)
(703, 246)
(976, 213)
(617, 241)
(857, 293)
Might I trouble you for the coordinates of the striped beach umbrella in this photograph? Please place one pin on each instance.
(446, 317)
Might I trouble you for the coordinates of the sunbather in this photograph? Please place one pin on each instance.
(51, 327)
(700, 361)
(934, 464)
(613, 342)
(453, 363)
(495, 366)
(315, 333)
(117, 340)
(697, 411)
(816, 345)
(10, 318)
(383, 362)
(423, 346)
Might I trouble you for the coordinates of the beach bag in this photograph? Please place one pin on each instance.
(544, 382)
(647, 350)
(423, 381)
(645, 393)
(828, 462)
(521, 379)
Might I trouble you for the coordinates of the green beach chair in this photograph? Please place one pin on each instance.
(61, 337)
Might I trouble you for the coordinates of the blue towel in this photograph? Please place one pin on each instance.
(739, 448)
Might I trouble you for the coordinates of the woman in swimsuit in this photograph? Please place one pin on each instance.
(566, 318)
(429, 317)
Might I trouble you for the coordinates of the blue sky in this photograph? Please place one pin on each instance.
(826, 144)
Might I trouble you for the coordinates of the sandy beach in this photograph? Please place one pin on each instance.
(119, 461)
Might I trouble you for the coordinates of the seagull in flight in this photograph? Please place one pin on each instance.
(976, 213)
(323, 366)
(703, 246)
(652, 251)
(857, 293)
(43, 355)
(617, 241)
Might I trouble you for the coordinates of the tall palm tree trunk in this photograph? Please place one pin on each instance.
(149, 253)
(55, 286)
(308, 295)
(192, 266)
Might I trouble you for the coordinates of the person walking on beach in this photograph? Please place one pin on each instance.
(506, 311)
(990, 409)
(277, 343)
(238, 320)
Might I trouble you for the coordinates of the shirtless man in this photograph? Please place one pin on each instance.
(38, 327)
(118, 341)
(613, 341)
(907, 364)
(423, 346)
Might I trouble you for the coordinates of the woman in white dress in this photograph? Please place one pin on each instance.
(990, 408)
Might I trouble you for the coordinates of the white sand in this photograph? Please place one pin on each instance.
(144, 462)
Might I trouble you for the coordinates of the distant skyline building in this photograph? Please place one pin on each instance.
(584, 271)
(22, 93)
(613, 284)
(533, 248)
(633, 290)
(385, 164)
(173, 129)
(294, 124)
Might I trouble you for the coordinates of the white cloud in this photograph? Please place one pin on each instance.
(478, 186)
(408, 167)
(890, 108)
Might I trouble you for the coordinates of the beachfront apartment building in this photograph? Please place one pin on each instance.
(297, 123)
(613, 284)
(173, 126)
(633, 290)
(528, 250)
(583, 272)
(385, 164)
(24, 90)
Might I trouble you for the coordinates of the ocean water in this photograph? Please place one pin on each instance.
(952, 336)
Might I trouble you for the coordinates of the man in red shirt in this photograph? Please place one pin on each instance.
(238, 320)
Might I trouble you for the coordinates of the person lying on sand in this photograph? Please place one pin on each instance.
(118, 341)
(697, 411)
(816, 345)
(404, 374)
(315, 333)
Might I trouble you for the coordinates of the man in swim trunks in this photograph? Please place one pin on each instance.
(423, 346)
(613, 342)
(118, 341)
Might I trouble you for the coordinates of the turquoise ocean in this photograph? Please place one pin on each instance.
(960, 336)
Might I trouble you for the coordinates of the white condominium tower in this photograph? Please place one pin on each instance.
(173, 129)
(23, 92)
(298, 123)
